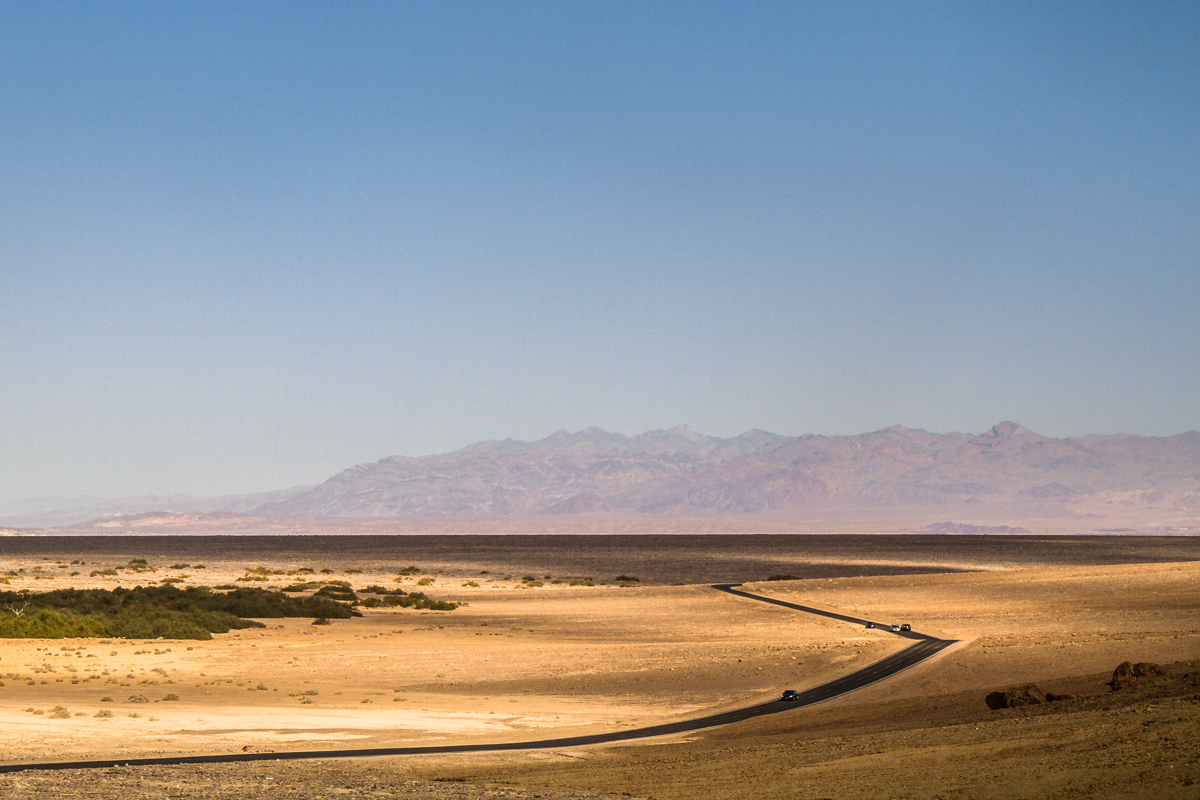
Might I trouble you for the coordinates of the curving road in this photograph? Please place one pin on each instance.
(924, 647)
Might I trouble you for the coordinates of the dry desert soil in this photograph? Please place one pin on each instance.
(557, 639)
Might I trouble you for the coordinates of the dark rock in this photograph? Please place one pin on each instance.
(1127, 674)
(1017, 696)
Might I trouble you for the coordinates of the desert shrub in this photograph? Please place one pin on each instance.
(320, 621)
(534, 584)
(426, 581)
(471, 584)
(267, 604)
(418, 600)
(138, 698)
(582, 582)
(626, 579)
(59, 712)
(411, 569)
(104, 712)
(337, 591)
(352, 571)
(372, 602)
(50, 624)
(179, 566)
(782, 578)
(170, 698)
(151, 612)
(96, 573)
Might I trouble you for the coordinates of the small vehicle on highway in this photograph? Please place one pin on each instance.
(895, 629)
(870, 624)
(790, 694)
(906, 627)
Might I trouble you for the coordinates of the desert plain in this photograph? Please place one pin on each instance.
(560, 635)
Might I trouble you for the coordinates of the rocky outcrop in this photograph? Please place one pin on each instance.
(1027, 695)
(1016, 697)
(1128, 673)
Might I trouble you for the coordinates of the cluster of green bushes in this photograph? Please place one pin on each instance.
(409, 600)
(398, 598)
(150, 612)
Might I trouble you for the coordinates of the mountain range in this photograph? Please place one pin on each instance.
(679, 471)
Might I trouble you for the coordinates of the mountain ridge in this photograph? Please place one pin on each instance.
(679, 471)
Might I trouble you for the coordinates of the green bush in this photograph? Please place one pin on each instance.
(48, 624)
(151, 612)
(418, 600)
(337, 591)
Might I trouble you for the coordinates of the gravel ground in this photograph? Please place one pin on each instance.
(314, 781)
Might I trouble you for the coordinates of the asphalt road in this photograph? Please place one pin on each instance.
(923, 648)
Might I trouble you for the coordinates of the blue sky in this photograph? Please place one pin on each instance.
(244, 246)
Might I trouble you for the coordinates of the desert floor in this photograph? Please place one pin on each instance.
(524, 661)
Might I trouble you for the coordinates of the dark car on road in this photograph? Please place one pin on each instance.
(906, 627)
(870, 624)
(790, 694)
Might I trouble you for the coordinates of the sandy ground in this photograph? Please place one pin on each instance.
(522, 662)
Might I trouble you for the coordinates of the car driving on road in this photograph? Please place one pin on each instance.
(790, 694)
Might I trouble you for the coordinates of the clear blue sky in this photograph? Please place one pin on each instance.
(246, 245)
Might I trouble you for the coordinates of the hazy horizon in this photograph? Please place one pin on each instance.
(245, 247)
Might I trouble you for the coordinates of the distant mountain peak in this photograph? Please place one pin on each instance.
(1006, 430)
(686, 432)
